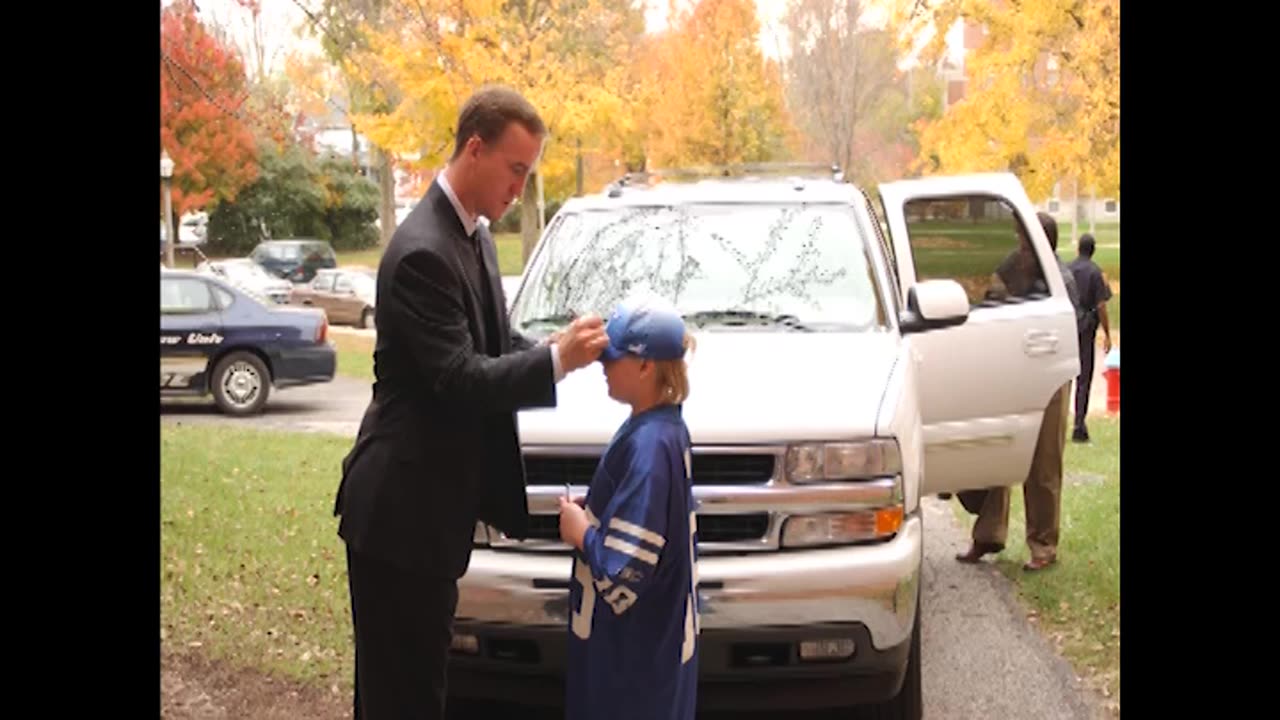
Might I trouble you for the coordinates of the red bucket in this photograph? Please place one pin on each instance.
(1113, 389)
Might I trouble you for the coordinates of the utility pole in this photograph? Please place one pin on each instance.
(170, 233)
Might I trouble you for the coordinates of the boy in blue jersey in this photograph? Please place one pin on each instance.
(633, 625)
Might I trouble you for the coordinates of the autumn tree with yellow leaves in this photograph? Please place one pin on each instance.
(700, 92)
(709, 94)
(569, 57)
(1042, 96)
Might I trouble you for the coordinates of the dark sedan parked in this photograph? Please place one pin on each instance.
(216, 339)
(295, 260)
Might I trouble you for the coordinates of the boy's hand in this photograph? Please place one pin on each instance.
(573, 522)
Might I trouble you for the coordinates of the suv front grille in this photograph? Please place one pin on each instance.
(742, 527)
(709, 469)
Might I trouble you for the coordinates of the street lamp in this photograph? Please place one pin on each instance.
(166, 174)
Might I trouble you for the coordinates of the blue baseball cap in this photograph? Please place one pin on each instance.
(649, 328)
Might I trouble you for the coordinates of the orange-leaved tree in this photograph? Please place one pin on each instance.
(202, 87)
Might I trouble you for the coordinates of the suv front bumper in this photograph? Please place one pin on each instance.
(756, 609)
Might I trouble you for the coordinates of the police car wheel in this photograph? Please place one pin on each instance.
(241, 384)
(366, 318)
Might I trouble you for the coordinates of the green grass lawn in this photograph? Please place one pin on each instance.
(969, 252)
(251, 569)
(1077, 602)
(366, 258)
(355, 355)
(509, 260)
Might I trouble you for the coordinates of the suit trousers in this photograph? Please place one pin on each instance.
(403, 624)
(1041, 493)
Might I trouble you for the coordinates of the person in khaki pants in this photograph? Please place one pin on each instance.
(1041, 496)
(1042, 491)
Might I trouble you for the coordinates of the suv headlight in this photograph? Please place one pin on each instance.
(818, 462)
(821, 529)
(841, 528)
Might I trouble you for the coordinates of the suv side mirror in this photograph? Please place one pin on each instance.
(934, 305)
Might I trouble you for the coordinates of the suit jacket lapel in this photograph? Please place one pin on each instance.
(489, 272)
(460, 243)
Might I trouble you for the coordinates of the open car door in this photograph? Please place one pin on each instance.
(984, 385)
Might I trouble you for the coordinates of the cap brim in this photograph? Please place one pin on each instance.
(611, 353)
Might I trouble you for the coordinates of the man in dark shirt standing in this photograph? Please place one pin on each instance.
(1094, 294)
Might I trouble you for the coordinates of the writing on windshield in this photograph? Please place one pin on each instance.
(807, 264)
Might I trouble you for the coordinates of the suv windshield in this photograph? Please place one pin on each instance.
(785, 267)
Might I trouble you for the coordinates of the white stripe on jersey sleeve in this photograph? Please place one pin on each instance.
(592, 520)
(635, 530)
(613, 541)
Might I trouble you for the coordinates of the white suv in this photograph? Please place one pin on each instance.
(839, 376)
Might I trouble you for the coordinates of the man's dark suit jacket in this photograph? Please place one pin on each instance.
(438, 446)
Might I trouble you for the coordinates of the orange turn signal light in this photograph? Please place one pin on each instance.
(888, 520)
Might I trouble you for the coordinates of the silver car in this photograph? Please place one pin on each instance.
(250, 277)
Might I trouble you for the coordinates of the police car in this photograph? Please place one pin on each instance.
(216, 339)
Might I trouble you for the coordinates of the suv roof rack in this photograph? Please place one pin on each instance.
(789, 170)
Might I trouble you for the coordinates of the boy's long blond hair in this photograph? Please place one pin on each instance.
(673, 375)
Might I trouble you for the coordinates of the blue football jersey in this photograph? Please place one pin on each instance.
(633, 612)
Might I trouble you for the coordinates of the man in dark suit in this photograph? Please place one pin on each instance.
(438, 447)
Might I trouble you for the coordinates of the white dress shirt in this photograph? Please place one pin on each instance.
(469, 223)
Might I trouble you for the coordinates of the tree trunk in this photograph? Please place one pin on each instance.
(977, 209)
(529, 221)
(387, 209)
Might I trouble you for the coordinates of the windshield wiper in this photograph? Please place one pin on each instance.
(743, 317)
